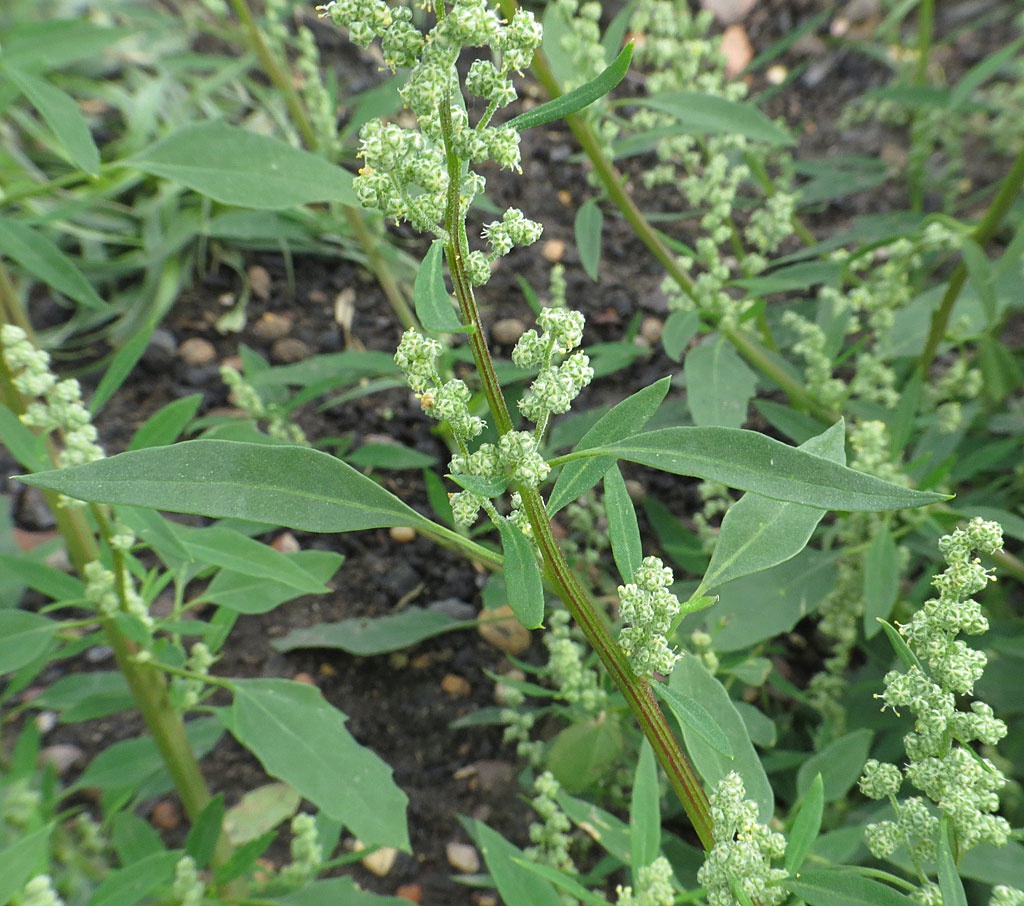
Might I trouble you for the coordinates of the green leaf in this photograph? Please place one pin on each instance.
(46, 262)
(64, 117)
(522, 576)
(680, 327)
(980, 274)
(166, 425)
(229, 549)
(86, 696)
(609, 832)
(689, 677)
(516, 885)
(337, 892)
(290, 486)
(260, 810)
(430, 295)
(366, 637)
(719, 385)
(881, 580)
(758, 532)
(244, 593)
(842, 888)
(950, 885)
(621, 421)
(692, 715)
(562, 881)
(758, 607)
(577, 99)
(582, 754)
(206, 830)
(644, 812)
(24, 636)
(587, 227)
(133, 838)
(389, 456)
(753, 462)
(22, 860)
(238, 167)
(839, 765)
(806, 825)
(118, 369)
(301, 739)
(907, 657)
(54, 583)
(623, 529)
(708, 114)
(22, 442)
(127, 886)
(244, 858)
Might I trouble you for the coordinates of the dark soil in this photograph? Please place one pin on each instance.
(401, 706)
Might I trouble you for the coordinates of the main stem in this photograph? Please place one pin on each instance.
(636, 691)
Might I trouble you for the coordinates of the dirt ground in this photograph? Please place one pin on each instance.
(401, 707)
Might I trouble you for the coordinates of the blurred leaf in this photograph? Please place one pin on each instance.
(583, 753)
(621, 421)
(694, 716)
(644, 812)
(201, 842)
(754, 462)
(166, 425)
(47, 263)
(587, 227)
(623, 530)
(881, 580)
(246, 593)
(680, 327)
(389, 456)
(301, 739)
(837, 177)
(758, 532)
(24, 636)
(843, 888)
(609, 832)
(62, 114)
(950, 885)
(127, 886)
(337, 892)
(708, 114)
(22, 442)
(54, 43)
(806, 825)
(290, 486)
(238, 167)
(577, 99)
(86, 696)
(260, 810)
(680, 544)
(23, 860)
(119, 367)
(801, 275)
(980, 274)
(366, 636)
(54, 583)
(719, 385)
(522, 576)
(1000, 370)
(516, 885)
(689, 677)
(839, 765)
(430, 296)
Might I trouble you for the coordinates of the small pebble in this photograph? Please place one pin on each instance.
(501, 629)
(403, 534)
(286, 543)
(381, 861)
(289, 350)
(62, 757)
(197, 352)
(651, 329)
(501, 689)
(98, 654)
(463, 858)
(259, 280)
(270, 327)
(455, 608)
(411, 892)
(553, 250)
(507, 331)
(160, 350)
(494, 775)
(455, 686)
(305, 679)
(636, 490)
(165, 815)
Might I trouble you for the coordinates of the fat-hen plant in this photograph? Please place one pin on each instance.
(611, 670)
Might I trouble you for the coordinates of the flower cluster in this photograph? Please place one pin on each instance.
(649, 609)
(742, 856)
(550, 837)
(188, 887)
(39, 892)
(247, 398)
(406, 173)
(101, 590)
(58, 404)
(307, 853)
(556, 385)
(186, 691)
(654, 886)
(576, 684)
(942, 763)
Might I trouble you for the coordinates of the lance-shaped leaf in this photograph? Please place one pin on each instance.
(296, 487)
(759, 532)
(578, 98)
(753, 462)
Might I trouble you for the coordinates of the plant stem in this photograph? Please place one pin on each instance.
(635, 690)
(983, 232)
(614, 186)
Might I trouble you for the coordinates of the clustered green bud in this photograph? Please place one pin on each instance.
(576, 684)
(742, 856)
(59, 402)
(102, 591)
(247, 398)
(188, 888)
(307, 853)
(556, 385)
(550, 837)
(653, 886)
(188, 690)
(649, 609)
(942, 762)
(40, 892)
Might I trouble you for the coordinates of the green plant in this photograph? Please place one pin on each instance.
(610, 699)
